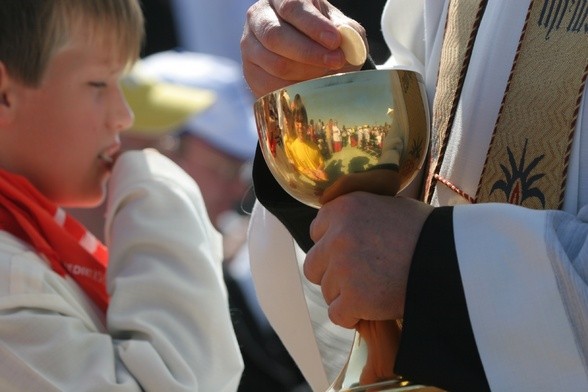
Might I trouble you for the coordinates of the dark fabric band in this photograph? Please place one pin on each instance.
(295, 216)
(437, 345)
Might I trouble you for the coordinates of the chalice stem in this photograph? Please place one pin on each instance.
(370, 366)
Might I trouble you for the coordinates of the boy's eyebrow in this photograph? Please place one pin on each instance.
(110, 67)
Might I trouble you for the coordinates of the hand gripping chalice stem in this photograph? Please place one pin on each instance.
(358, 131)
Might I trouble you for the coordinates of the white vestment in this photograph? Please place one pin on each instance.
(524, 272)
(167, 327)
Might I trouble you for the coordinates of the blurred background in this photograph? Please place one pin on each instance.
(199, 25)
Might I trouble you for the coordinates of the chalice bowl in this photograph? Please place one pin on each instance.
(365, 130)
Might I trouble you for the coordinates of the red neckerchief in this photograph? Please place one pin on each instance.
(68, 246)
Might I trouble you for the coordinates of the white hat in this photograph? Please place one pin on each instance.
(229, 123)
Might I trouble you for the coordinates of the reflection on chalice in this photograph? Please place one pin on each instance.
(368, 131)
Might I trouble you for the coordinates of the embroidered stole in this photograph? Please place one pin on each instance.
(527, 160)
(463, 21)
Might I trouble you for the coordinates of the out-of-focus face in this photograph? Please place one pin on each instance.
(299, 127)
(218, 175)
(65, 132)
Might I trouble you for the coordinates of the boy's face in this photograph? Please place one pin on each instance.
(65, 131)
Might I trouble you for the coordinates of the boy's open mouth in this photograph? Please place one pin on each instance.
(110, 154)
(106, 158)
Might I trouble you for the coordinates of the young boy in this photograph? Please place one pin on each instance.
(151, 314)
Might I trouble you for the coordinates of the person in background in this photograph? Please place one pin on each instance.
(149, 310)
(489, 273)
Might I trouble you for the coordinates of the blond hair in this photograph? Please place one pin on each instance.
(31, 31)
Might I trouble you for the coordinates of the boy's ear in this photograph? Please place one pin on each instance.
(7, 97)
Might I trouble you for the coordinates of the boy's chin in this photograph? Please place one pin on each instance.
(89, 200)
(98, 199)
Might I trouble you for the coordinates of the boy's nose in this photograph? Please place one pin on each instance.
(122, 116)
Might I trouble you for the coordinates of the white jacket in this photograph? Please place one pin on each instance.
(167, 327)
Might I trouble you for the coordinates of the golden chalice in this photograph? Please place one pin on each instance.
(366, 130)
